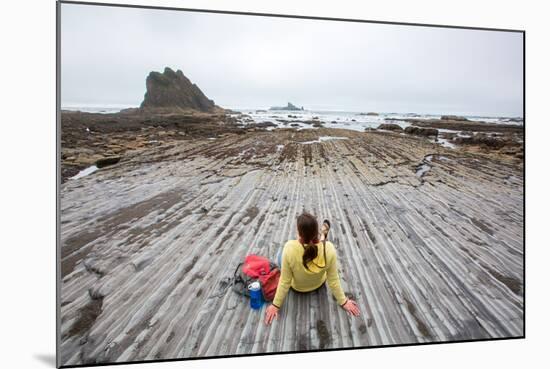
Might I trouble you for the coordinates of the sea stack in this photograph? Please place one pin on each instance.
(289, 107)
(174, 91)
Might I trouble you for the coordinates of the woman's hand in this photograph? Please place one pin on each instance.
(271, 313)
(351, 307)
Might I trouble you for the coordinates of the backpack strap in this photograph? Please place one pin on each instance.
(237, 270)
(239, 285)
(231, 283)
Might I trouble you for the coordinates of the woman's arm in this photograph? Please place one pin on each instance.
(333, 281)
(284, 280)
(282, 289)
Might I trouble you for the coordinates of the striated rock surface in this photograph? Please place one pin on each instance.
(429, 240)
(173, 90)
(88, 138)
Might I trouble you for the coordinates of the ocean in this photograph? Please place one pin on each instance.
(356, 121)
(348, 120)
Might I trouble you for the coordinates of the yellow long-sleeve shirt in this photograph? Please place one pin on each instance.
(295, 275)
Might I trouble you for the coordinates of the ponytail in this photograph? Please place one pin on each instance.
(308, 228)
(310, 253)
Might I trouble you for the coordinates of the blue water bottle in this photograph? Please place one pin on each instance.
(256, 298)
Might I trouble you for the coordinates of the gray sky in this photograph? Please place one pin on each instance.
(257, 62)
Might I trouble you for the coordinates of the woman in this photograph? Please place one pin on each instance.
(306, 264)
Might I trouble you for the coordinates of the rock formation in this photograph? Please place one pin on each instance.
(172, 90)
(289, 106)
(489, 141)
(466, 125)
(421, 131)
(105, 162)
(390, 127)
(454, 118)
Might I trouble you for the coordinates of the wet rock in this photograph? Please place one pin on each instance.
(488, 141)
(420, 131)
(105, 162)
(265, 125)
(324, 334)
(87, 316)
(130, 111)
(390, 127)
(68, 171)
(453, 117)
(465, 126)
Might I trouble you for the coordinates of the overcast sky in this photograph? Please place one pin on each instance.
(257, 62)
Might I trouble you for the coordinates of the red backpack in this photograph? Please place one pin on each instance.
(257, 268)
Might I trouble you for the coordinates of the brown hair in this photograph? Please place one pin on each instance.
(308, 229)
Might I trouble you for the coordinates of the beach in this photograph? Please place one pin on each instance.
(429, 235)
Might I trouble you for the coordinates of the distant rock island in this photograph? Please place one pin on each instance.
(174, 91)
(289, 106)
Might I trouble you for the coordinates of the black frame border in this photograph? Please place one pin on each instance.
(211, 11)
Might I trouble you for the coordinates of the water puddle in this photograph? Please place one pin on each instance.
(424, 167)
(323, 139)
(85, 172)
(445, 143)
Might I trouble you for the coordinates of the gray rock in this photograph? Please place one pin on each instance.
(453, 117)
(390, 127)
(421, 131)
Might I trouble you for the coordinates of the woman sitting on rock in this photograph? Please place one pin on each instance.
(306, 264)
